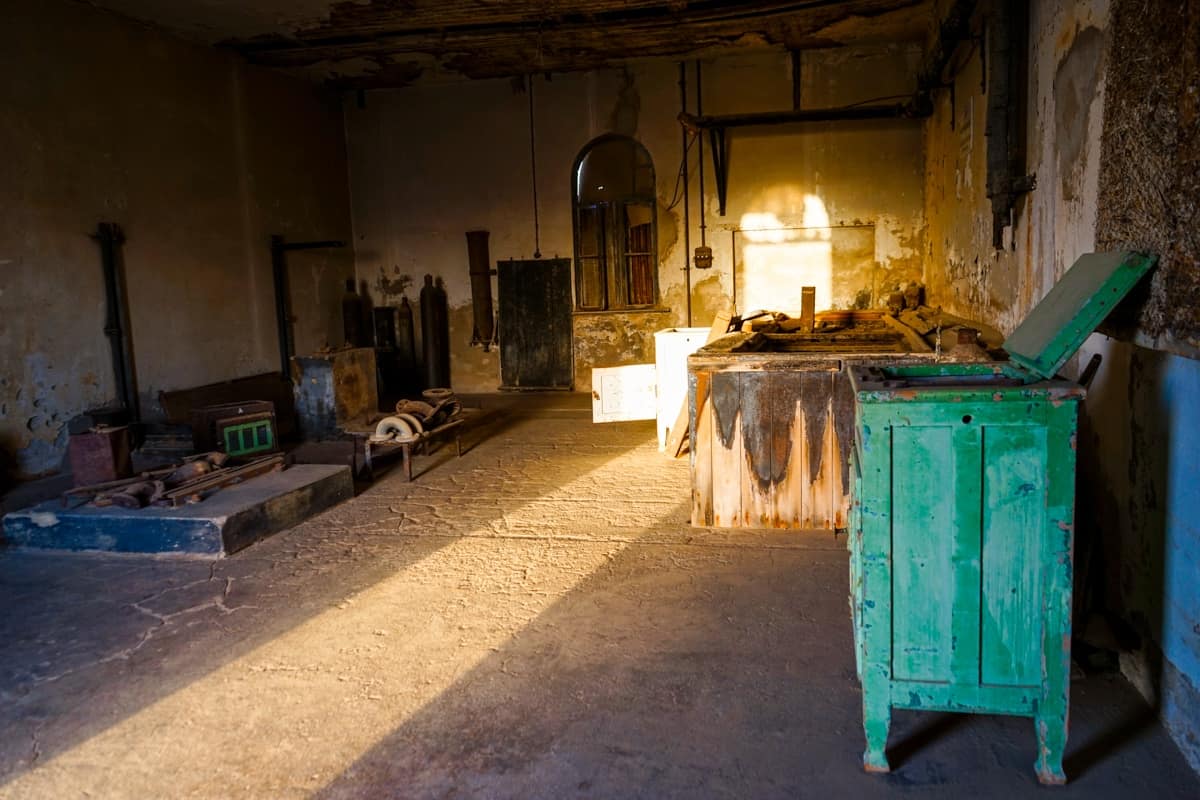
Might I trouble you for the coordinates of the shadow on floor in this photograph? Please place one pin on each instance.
(721, 672)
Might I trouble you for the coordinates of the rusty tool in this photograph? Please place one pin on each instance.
(138, 495)
(195, 490)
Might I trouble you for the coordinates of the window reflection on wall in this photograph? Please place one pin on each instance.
(616, 250)
(777, 261)
(774, 258)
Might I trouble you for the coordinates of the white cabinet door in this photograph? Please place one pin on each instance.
(620, 394)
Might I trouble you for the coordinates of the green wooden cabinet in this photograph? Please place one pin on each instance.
(962, 523)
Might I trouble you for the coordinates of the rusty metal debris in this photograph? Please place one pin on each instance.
(191, 481)
(414, 424)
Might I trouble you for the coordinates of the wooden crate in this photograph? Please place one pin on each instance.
(771, 431)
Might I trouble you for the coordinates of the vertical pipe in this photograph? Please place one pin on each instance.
(700, 152)
(687, 233)
(116, 326)
(795, 79)
(279, 272)
(537, 230)
(733, 267)
(479, 266)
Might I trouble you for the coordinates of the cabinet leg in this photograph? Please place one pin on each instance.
(1051, 741)
(877, 719)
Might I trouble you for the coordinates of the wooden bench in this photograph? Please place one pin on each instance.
(373, 450)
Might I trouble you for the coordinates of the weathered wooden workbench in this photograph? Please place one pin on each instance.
(772, 420)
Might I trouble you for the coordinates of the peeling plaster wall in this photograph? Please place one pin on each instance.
(1054, 223)
(1138, 464)
(200, 159)
(430, 162)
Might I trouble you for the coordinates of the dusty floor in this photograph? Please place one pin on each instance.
(536, 620)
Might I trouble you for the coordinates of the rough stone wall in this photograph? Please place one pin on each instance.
(1150, 182)
(199, 158)
(1149, 446)
(430, 162)
(1106, 178)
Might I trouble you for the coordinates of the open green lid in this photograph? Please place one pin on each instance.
(1074, 308)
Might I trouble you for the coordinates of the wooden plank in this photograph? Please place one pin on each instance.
(1014, 523)
(816, 390)
(727, 449)
(787, 499)
(876, 611)
(1074, 307)
(759, 429)
(964, 533)
(1056, 552)
(831, 507)
(679, 431)
(911, 337)
(701, 448)
(922, 539)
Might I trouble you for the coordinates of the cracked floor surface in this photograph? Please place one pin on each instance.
(535, 620)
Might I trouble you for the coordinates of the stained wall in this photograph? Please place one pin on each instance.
(432, 161)
(200, 159)
(1138, 547)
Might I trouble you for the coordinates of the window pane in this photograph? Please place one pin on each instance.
(639, 258)
(590, 284)
(638, 234)
(613, 170)
(641, 280)
(591, 231)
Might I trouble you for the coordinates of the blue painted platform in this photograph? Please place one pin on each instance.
(224, 523)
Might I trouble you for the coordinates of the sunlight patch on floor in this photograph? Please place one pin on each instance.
(287, 718)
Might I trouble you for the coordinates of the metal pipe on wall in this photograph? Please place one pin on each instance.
(110, 237)
(704, 253)
(700, 152)
(480, 267)
(687, 233)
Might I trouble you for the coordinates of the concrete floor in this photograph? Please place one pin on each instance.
(535, 620)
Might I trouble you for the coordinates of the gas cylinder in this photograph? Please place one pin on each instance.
(406, 346)
(352, 316)
(435, 334)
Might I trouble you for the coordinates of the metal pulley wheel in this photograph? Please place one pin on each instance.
(393, 429)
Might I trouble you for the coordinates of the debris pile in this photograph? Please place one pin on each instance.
(191, 481)
(416, 418)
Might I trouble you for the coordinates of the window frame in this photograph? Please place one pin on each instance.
(614, 259)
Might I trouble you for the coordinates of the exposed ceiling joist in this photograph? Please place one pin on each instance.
(372, 43)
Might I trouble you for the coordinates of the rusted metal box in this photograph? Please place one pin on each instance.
(772, 418)
(100, 455)
(963, 520)
(334, 390)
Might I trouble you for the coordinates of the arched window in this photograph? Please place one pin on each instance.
(616, 240)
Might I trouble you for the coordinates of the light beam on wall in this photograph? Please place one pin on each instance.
(778, 260)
